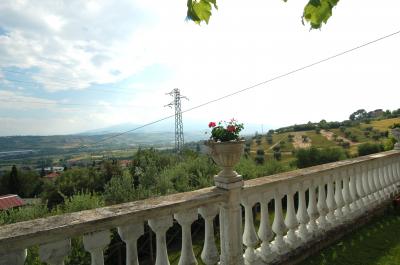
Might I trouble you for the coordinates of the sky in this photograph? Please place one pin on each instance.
(72, 66)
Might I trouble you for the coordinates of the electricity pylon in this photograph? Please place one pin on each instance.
(179, 139)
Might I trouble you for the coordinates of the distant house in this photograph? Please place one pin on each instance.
(10, 201)
(125, 163)
(376, 113)
(52, 176)
(53, 169)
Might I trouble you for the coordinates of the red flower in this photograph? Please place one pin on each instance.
(231, 128)
(212, 124)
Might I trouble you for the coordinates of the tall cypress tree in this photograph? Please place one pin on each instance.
(13, 184)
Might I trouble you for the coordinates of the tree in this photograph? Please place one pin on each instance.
(13, 184)
(316, 12)
(359, 115)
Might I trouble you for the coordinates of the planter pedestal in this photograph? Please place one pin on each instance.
(227, 155)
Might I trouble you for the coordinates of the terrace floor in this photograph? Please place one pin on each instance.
(377, 243)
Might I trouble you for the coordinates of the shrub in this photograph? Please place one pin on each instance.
(354, 138)
(119, 190)
(345, 144)
(278, 155)
(260, 159)
(260, 152)
(313, 156)
(369, 148)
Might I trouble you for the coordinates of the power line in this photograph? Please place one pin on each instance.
(252, 86)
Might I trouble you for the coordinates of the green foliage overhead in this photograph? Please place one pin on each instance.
(200, 10)
(315, 12)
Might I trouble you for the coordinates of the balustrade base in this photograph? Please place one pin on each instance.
(326, 239)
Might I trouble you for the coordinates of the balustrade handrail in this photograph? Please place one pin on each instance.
(39, 231)
(360, 184)
(270, 182)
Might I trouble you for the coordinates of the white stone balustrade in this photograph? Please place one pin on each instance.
(338, 194)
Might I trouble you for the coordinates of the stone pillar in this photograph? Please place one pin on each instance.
(231, 223)
(227, 155)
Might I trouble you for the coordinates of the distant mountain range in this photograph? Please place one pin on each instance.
(159, 135)
(165, 126)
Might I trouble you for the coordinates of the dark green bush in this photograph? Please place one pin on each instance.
(313, 156)
(369, 148)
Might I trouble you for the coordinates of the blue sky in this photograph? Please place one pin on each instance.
(59, 57)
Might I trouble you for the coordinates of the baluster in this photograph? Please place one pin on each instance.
(387, 178)
(360, 189)
(16, 257)
(346, 195)
(312, 209)
(279, 227)
(250, 238)
(160, 226)
(209, 255)
(130, 233)
(373, 190)
(265, 232)
(379, 180)
(185, 220)
(339, 198)
(366, 198)
(95, 243)
(330, 201)
(397, 171)
(353, 191)
(385, 182)
(394, 175)
(322, 207)
(54, 253)
(302, 214)
(291, 221)
(391, 175)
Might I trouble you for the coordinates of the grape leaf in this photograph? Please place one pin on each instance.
(200, 10)
(316, 12)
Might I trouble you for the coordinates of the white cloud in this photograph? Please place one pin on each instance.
(244, 44)
(10, 100)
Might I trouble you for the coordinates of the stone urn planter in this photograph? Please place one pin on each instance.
(396, 135)
(226, 155)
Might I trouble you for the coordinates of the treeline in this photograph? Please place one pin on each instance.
(355, 119)
(151, 173)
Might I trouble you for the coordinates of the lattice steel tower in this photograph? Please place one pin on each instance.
(179, 139)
